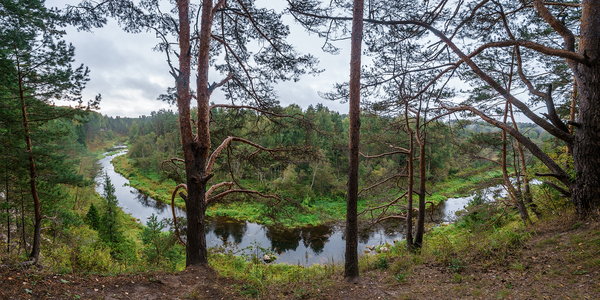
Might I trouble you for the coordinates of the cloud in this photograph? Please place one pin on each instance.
(130, 75)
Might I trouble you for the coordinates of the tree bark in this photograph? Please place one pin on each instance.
(196, 149)
(422, 179)
(586, 145)
(194, 203)
(351, 263)
(35, 250)
(411, 182)
(7, 211)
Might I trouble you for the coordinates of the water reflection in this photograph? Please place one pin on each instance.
(283, 240)
(148, 202)
(224, 228)
(312, 237)
(316, 237)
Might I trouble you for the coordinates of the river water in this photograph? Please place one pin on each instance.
(304, 246)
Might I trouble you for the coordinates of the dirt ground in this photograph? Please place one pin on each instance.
(560, 261)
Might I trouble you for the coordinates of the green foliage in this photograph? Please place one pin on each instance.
(456, 265)
(160, 248)
(110, 231)
(93, 217)
(381, 263)
(261, 275)
(248, 290)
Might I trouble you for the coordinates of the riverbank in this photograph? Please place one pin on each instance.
(317, 211)
(553, 259)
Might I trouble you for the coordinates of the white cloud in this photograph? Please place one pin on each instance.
(130, 76)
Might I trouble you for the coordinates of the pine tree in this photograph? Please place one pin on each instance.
(93, 217)
(36, 71)
(110, 231)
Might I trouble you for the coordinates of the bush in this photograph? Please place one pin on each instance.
(91, 259)
(381, 263)
(58, 258)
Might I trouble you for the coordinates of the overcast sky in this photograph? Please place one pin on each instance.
(130, 76)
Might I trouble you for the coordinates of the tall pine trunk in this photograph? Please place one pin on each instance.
(351, 263)
(195, 149)
(586, 145)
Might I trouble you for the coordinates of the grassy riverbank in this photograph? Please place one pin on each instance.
(313, 211)
(552, 259)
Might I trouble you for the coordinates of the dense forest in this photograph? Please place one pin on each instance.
(409, 142)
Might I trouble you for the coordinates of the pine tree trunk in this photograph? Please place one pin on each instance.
(423, 178)
(351, 259)
(35, 250)
(7, 211)
(195, 149)
(196, 235)
(586, 145)
(411, 182)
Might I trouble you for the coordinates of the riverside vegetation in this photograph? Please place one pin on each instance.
(74, 245)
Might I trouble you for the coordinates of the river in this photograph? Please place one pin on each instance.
(305, 246)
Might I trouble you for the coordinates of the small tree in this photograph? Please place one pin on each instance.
(159, 246)
(110, 231)
(93, 217)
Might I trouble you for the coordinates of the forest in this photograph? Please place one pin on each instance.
(375, 182)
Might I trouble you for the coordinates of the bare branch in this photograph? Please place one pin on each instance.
(487, 159)
(537, 47)
(385, 205)
(216, 186)
(533, 148)
(249, 16)
(558, 26)
(552, 111)
(382, 182)
(217, 7)
(523, 77)
(241, 191)
(383, 154)
(391, 218)
(564, 192)
(227, 141)
(215, 85)
(183, 186)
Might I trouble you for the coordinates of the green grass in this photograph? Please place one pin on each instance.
(257, 275)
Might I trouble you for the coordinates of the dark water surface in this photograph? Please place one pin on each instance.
(305, 245)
